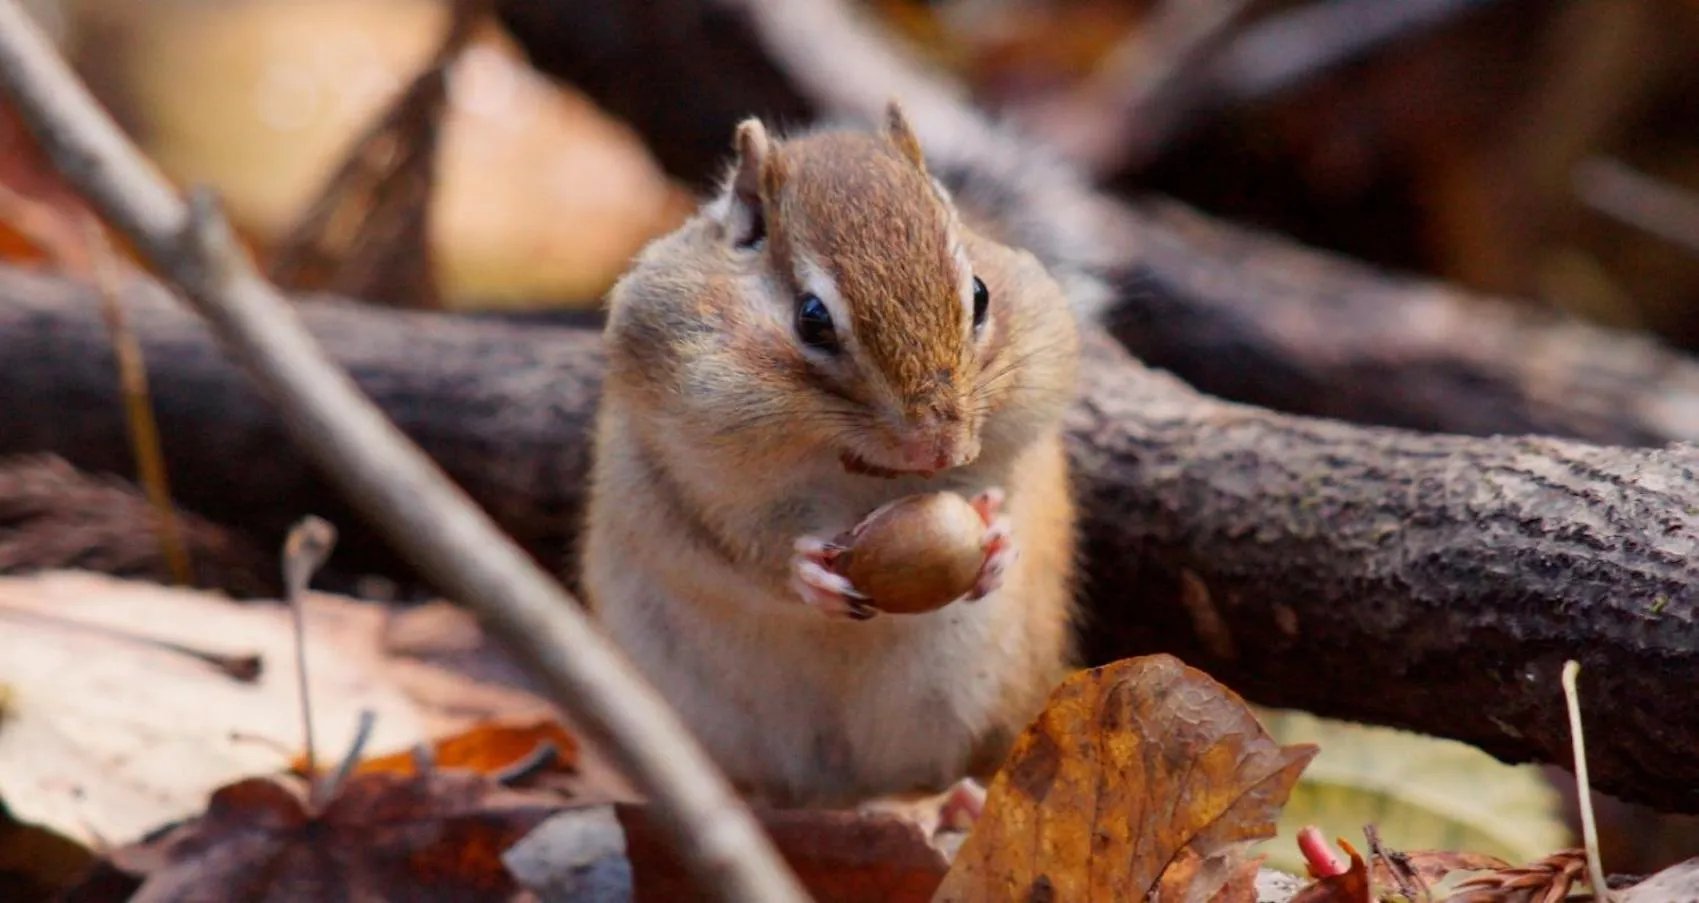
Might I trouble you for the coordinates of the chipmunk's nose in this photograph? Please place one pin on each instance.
(930, 443)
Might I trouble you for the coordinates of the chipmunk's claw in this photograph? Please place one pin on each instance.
(823, 588)
(998, 544)
(956, 809)
(962, 806)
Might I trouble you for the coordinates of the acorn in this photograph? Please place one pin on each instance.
(915, 555)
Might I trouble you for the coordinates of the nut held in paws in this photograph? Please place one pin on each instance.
(917, 554)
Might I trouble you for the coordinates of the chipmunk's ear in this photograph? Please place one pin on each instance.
(749, 178)
(897, 129)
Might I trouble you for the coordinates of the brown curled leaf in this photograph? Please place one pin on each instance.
(383, 837)
(1352, 886)
(1134, 768)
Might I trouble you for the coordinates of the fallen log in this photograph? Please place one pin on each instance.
(1432, 582)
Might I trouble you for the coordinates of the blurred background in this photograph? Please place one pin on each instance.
(1545, 151)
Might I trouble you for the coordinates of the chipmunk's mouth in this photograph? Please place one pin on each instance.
(856, 464)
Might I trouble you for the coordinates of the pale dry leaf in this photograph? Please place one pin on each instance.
(108, 737)
(1130, 769)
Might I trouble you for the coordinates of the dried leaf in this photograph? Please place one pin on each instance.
(1549, 878)
(366, 234)
(488, 749)
(1433, 866)
(35, 861)
(107, 736)
(382, 837)
(1226, 877)
(110, 733)
(1131, 768)
(537, 196)
(840, 857)
(1350, 887)
(1679, 882)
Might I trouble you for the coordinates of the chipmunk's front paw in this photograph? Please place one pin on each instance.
(815, 579)
(956, 810)
(998, 544)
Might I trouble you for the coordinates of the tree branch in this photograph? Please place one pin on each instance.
(394, 484)
(1432, 582)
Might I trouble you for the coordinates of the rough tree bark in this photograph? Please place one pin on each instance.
(1433, 582)
(1237, 314)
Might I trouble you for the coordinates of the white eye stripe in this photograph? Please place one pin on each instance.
(943, 193)
(964, 271)
(815, 280)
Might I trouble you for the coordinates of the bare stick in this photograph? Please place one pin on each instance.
(1127, 108)
(1614, 189)
(1292, 46)
(433, 522)
(304, 552)
(90, 256)
(1584, 787)
(324, 791)
(138, 404)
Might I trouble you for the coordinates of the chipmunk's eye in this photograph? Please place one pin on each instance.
(814, 323)
(981, 302)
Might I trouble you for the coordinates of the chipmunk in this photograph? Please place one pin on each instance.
(826, 335)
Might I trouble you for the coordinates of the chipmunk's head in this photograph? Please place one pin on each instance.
(873, 300)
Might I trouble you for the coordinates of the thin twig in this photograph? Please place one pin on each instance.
(304, 551)
(424, 758)
(86, 253)
(1139, 94)
(544, 755)
(1288, 48)
(1191, 63)
(1653, 205)
(1584, 787)
(324, 791)
(138, 403)
(1397, 866)
(432, 521)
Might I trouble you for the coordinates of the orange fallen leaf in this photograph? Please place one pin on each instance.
(1132, 768)
(840, 857)
(1225, 878)
(487, 749)
(1351, 886)
(383, 837)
